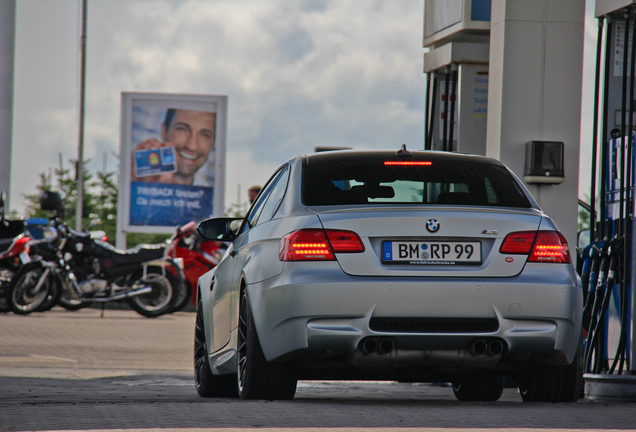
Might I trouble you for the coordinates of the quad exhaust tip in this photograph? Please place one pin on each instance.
(491, 347)
(379, 346)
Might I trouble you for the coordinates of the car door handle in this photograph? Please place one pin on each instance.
(233, 252)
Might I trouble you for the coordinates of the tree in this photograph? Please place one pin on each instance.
(100, 196)
(105, 202)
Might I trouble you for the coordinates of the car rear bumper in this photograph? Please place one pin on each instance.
(536, 315)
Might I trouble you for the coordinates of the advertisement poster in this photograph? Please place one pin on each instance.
(172, 160)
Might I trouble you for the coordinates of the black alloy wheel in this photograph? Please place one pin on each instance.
(543, 383)
(208, 384)
(258, 378)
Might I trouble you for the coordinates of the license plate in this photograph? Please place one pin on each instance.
(431, 252)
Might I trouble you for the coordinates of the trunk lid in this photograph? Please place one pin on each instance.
(460, 241)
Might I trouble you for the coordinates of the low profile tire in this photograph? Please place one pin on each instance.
(484, 388)
(554, 383)
(208, 384)
(258, 378)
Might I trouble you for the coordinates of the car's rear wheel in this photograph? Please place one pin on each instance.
(554, 383)
(258, 378)
(478, 387)
(208, 384)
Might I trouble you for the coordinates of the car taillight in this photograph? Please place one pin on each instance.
(345, 241)
(318, 244)
(408, 163)
(550, 246)
(518, 243)
(541, 246)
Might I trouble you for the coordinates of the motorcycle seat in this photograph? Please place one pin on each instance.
(139, 254)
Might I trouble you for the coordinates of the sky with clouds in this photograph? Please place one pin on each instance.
(298, 74)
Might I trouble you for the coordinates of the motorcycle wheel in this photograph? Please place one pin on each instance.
(157, 302)
(4, 307)
(6, 274)
(52, 298)
(23, 295)
(182, 292)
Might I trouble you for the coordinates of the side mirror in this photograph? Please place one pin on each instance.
(219, 229)
(583, 239)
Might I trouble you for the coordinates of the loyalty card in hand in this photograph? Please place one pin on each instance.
(154, 161)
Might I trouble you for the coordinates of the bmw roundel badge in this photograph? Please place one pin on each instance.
(432, 225)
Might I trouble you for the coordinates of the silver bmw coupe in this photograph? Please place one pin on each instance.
(412, 266)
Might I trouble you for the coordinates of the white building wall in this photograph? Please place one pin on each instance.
(534, 92)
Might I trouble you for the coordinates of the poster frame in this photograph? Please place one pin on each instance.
(197, 102)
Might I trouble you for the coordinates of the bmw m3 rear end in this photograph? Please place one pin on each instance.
(411, 266)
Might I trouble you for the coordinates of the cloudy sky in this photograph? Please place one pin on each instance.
(298, 74)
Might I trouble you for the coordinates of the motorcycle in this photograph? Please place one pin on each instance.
(14, 250)
(76, 270)
(198, 254)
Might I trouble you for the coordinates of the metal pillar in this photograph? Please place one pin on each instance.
(7, 49)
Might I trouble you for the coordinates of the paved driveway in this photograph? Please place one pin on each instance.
(65, 370)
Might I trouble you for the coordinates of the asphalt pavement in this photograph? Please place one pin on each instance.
(116, 370)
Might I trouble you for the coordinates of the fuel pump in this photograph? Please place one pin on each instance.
(608, 315)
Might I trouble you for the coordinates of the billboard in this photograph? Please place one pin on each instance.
(172, 168)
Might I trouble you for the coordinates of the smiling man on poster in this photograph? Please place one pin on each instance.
(191, 133)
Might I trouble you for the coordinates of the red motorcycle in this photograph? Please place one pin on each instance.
(14, 250)
(199, 255)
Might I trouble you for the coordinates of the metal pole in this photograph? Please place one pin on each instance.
(445, 118)
(604, 126)
(427, 144)
(80, 147)
(597, 90)
(7, 67)
(621, 212)
(453, 97)
(619, 356)
(628, 251)
(431, 120)
(627, 245)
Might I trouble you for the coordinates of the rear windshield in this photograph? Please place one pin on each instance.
(376, 181)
